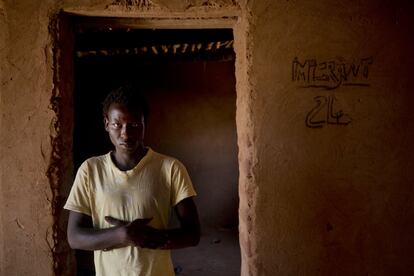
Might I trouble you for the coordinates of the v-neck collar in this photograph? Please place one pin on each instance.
(137, 167)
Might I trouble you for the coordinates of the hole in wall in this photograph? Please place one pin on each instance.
(188, 77)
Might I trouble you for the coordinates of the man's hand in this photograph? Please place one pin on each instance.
(138, 233)
(82, 235)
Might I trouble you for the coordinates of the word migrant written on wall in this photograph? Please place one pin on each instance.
(329, 75)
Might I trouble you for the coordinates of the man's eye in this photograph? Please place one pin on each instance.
(116, 125)
(134, 125)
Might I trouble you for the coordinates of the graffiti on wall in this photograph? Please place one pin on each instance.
(325, 112)
(331, 74)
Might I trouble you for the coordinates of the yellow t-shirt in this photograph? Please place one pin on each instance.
(150, 190)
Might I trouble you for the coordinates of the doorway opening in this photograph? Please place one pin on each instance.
(188, 76)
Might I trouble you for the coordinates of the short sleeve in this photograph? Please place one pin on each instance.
(79, 197)
(181, 185)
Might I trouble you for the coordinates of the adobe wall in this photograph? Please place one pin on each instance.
(3, 35)
(334, 174)
(25, 209)
(322, 192)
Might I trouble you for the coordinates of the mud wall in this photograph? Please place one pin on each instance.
(333, 147)
(325, 154)
(25, 209)
(3, 36)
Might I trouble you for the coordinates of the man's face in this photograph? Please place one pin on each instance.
(125, 128)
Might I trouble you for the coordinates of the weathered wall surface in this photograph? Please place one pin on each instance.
(3, 37)
(335, 192)
(25, 118)
(321, 192)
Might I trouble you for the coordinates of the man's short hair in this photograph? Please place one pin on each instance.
(129, 97)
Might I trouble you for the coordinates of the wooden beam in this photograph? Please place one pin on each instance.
(86, 22)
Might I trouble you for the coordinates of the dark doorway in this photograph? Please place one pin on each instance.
(188, 77)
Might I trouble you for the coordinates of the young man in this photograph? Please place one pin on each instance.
(120, 202)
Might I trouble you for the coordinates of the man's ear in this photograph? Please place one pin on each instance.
(106, 123)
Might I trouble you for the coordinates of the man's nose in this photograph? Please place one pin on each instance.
(126, 131)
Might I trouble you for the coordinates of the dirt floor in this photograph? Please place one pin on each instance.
(217, 254)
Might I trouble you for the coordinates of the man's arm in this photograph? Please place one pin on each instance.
(82, 235)
(187, 235)
(189, 232)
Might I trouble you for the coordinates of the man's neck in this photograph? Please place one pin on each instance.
(128, 160)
